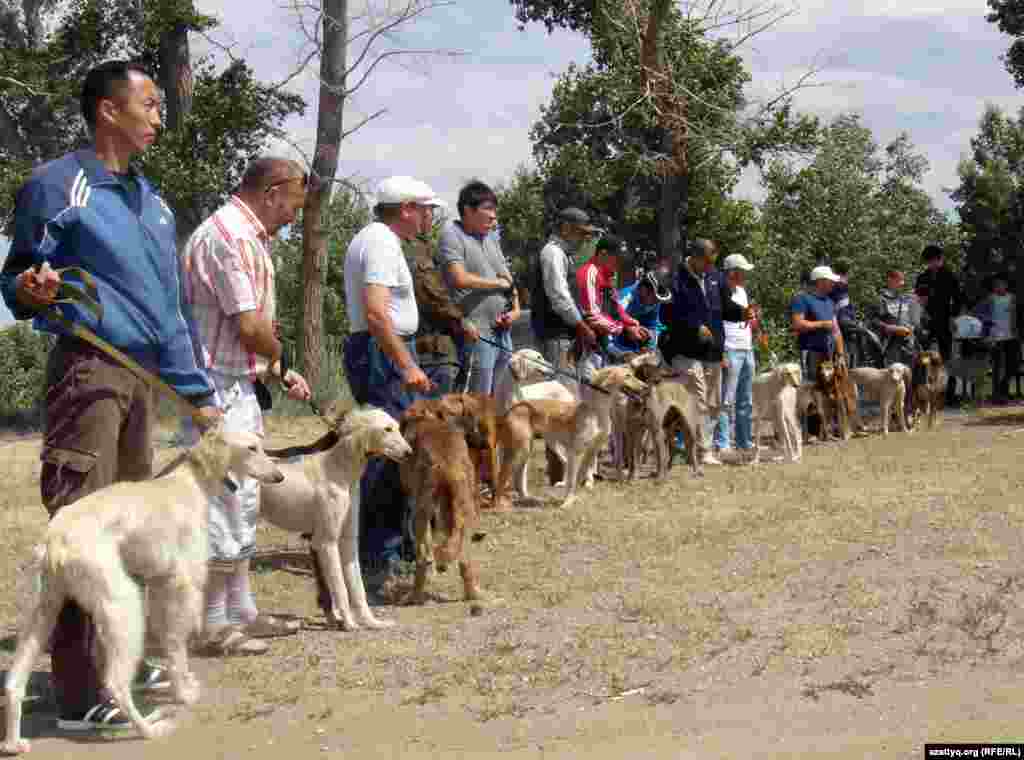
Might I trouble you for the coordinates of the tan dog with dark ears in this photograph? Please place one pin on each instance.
(99, 548)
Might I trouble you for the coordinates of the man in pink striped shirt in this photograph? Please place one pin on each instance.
(228, 277)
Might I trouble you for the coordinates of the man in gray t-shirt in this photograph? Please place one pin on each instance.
(478, 277)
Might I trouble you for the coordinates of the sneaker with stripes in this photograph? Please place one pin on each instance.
(106, 716)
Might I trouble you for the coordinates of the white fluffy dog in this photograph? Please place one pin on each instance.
(320, 496)
(99, 547)
(775, 396)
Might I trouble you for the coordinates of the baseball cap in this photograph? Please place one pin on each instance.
(823, 273)
(737, 261)
(579, 217)
(396, 190)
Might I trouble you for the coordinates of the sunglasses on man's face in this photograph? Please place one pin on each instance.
(304, 179)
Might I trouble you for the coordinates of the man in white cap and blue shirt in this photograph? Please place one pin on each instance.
(740, 325)
(813, 318)
(380, 352)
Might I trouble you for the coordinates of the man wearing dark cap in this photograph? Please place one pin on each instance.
(555, 318)
(945, 301)
(598, 299)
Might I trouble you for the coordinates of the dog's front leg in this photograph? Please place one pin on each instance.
(350, 565)
(572, 477)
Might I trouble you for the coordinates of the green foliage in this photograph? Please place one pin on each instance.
(604, 143)
(232, 115)
(521, 216)
(990, 200)
(1008, 15)
(345, 216)
(48, 55)
(852, 201)
(23, 353)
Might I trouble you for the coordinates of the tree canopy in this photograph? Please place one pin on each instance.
(216, 119)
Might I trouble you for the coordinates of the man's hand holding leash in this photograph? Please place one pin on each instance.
(37, 286)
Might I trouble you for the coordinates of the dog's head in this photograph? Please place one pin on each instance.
(651, 374)
(826, 373)
(618, 378)
(791, 374)
(375, 433)
(645, 359)
(527, 365)
(220, 452)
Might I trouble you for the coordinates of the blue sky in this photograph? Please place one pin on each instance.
(921, 66)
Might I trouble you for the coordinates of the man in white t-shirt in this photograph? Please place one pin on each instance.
(380, 353)
(739, 322)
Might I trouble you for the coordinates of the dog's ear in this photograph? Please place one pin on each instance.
(337, 411)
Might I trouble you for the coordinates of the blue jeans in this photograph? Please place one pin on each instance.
(375, 380)
(488, 361)
(737, 401)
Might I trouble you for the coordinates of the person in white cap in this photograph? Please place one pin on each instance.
(813, 318)
(380, 352)
(740, 322)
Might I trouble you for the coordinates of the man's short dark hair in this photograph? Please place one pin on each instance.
(474, 195)
(103, 82)
(931, 252)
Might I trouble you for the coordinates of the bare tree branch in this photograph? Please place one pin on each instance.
(26, 86)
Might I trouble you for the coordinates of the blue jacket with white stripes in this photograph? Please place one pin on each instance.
(73, 212)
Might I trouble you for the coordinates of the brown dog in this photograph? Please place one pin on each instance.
(929, 386)
(441, 482)
(830, 398)
(476, 414)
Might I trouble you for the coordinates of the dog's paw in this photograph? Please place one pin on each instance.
(376, 623)
(347, 624)
(160, 728)
(189, 690)
(15, 747)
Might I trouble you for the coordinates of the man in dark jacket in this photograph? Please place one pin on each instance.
(945, 302)
(693, 343)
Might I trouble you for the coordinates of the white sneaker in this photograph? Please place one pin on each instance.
(711, 459)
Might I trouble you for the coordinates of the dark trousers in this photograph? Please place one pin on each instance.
(1005, 357)
(97, 432)
(375, 380)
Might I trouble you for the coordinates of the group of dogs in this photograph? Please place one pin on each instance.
(98, 550)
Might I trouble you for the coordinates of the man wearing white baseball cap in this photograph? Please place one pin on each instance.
(380, 352)
(740, 320)
(813, 319)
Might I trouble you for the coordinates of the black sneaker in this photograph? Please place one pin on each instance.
(106, 716)
(151, 678)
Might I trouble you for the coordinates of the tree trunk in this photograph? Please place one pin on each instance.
(176, 76)
(330, 111)
(671, 108)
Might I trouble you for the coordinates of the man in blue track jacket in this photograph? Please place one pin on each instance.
(91, 209)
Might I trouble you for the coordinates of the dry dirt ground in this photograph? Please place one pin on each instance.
(855, 605)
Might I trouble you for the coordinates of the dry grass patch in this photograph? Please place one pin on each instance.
(890, 556)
